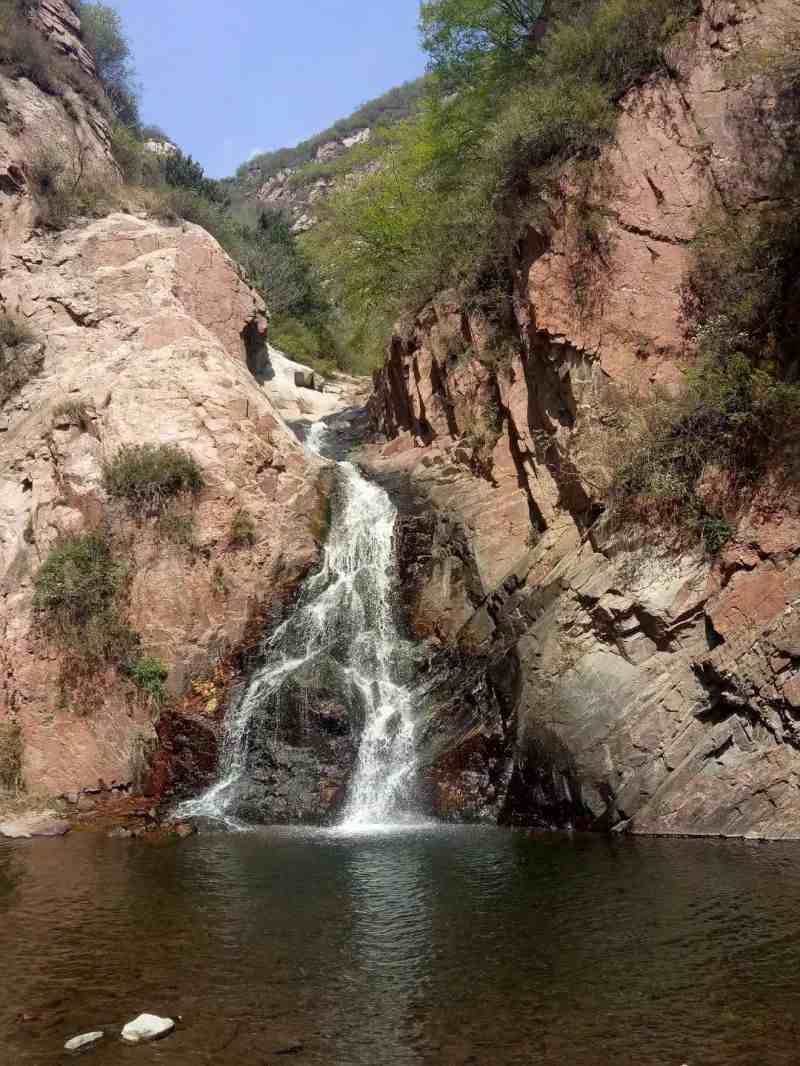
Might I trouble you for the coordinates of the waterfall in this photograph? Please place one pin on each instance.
(343, 615)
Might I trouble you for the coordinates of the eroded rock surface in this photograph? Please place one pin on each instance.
(142, 333)
(151, 328)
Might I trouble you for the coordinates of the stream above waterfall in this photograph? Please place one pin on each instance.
(452, 946)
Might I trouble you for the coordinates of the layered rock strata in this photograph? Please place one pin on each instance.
(600, 682)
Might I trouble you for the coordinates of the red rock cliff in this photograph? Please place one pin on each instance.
(638, 688)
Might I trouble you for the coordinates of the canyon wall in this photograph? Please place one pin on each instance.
(580, 676)
(141, 332)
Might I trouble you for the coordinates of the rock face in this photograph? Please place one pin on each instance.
(593, 681)
(152, 330)
(301, 756)
(145, 333)
(291, 193)
(39, 126)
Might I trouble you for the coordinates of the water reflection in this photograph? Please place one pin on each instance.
(391, 897)
(451, 946)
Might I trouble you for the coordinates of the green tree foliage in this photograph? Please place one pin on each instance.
(183, 172)
(105, 38)
(441, 207)
(463, 37)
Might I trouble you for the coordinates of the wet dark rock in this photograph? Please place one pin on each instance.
(188, 755)
(303, 748)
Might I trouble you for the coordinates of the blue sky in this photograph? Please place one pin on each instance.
(228, 79)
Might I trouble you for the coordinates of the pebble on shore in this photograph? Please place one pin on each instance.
(80, 1043)
(147, 1027)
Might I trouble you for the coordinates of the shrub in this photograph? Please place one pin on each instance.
(14, 333)
(77, 590)
(66, 188)
(139, 166)
(243, 530)
(76, 412)
(736, 427)
(150, 677)
(147, 476)
(9, 117)
(24, 50)
(178, 528)
(304, 343)
(10, 756)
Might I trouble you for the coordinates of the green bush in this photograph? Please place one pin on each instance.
(304, 343)
(25, 53)
(243, 530)
(734, 433)
(10, 756)
(138, 164)
(150, 677)
(77, 590)
(147, 476)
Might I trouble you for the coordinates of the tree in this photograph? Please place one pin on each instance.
(461, 35)
(184, 172)
(104, 36)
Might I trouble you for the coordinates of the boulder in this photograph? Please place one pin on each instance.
(304, 379)
(147, 1027)
(38, 824)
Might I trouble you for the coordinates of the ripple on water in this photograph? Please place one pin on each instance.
(408, 945)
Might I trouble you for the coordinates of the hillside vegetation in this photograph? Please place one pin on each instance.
(515, 90)
(394, 106)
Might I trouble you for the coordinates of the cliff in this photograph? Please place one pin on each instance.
(603, 678)
(136, 332)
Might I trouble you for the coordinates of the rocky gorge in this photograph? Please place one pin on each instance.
(567, 673)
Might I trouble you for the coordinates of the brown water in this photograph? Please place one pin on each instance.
(449, 946)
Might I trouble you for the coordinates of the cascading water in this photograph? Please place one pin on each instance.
(343, 621)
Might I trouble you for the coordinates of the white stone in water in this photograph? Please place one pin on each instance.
(147, 1027)
(78, 1043)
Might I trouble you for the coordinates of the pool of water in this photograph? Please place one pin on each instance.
(440, 946)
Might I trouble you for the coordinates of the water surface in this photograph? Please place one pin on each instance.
(442, 946)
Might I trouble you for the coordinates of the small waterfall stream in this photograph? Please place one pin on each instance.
(343, 617)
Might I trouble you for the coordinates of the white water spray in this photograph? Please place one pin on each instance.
(344, 610)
